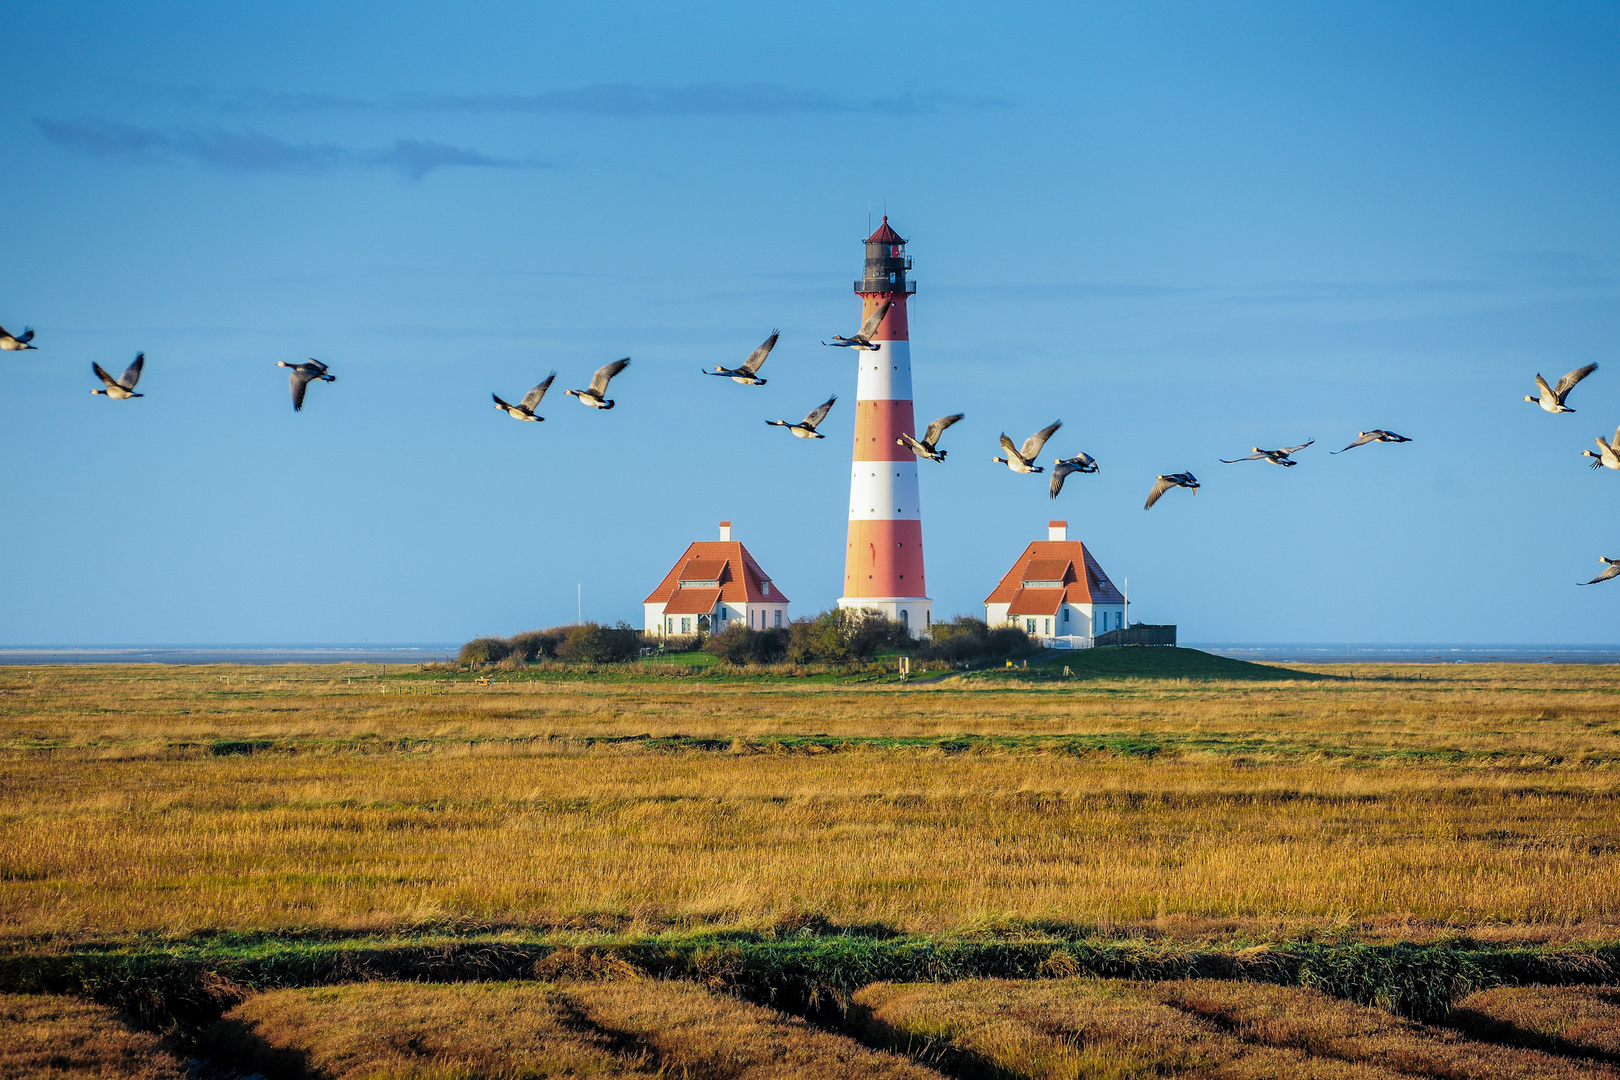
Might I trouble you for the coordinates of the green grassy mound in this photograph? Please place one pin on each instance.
(1154, 662)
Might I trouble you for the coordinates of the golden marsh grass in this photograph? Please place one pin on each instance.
(1400, 803)
(506, 1031)
(58, 1037)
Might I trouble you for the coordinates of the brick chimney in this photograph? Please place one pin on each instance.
(725, 531)
(1057, 530)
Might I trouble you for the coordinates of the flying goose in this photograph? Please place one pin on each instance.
(16, 342)
(1276, 457)
(1080, 463)
(1552, 397)
(1611, 569)
(524, 410)
(748, 373)
(863, 336)
(1375, 435)
(599, 384)
(302, 375)
(806, 428)
(1180, 479)
(1608, 454)
(924, 447)
(1023, 461)
(123, 386)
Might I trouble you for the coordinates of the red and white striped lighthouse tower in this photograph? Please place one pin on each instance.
(883, 563)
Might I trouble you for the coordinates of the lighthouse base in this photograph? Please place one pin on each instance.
(916, 613)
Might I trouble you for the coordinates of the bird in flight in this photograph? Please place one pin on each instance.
(1552, 397)
(1375, 435)
(1608, 454)
(863, 336)
(748, 373)
(524, 410)
(16, 342)
(123, 386)
(1611, 569)
(1023, 460)
(806, 428)
(1165, 483)
(599, 384)
(302, 375)
(925, 447)
(1281, 457)
(1080, 463)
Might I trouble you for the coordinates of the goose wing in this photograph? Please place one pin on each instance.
(1063, 469)
(1007, 445)
(1612, 570)
(1033, 444)
(299, 381)
(319, 367)
(101, 373)
(132, 374)
(756, 359)
(604, 375)
(1287, 450)
(1164, 485)
(499, 404)
(1390, 436)
(1362, 439)
(1567, 383)
(819, 413)
(532, 398)
(1251, 457)
(937, 428)
(870, 326)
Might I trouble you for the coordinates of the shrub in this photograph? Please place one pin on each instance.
(739, 644)
(593, 643)
(841, 635)
(532, 645)
(485, 650)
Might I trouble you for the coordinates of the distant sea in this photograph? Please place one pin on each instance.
(225, 654)
(1363, 653)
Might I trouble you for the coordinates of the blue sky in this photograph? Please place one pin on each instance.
(1183, 229)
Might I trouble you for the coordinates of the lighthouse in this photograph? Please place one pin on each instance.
(883, 561)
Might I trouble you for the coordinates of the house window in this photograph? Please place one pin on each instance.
(1065, 614)
(778, 618)
(1048, 624)
(905, 616)
(1119, 620)
(1029, 626)
(686, 625)
(669, 623)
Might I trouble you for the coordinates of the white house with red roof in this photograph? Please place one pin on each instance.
(714, 585)
(1057, 593)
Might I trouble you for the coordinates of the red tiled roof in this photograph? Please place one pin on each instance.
(742, 581)
(1037, 601)
(1049, 570)
(704, 569)
(1090, 587)
(692, 602)
(885, 234)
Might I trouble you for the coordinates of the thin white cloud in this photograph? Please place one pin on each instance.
(249, 151)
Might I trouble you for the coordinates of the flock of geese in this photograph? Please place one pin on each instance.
(1019, 459)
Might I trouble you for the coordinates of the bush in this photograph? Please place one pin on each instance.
(841, 635)
(593, 643)
(485, 650)
(532, 645)
(739, 644)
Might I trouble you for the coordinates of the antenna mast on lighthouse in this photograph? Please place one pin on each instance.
(883, 562)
